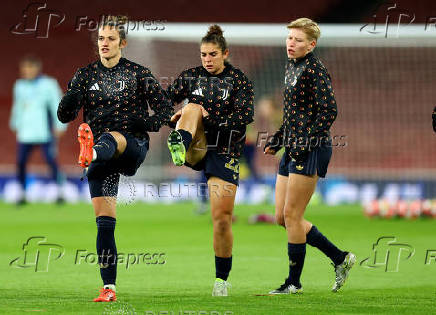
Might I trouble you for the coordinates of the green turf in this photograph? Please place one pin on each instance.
(183, 284)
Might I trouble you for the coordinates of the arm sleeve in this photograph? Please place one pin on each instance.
(72, 101)
(242, 113)
(55, 96)
(14, 111)
(325, 103)
(159, 102)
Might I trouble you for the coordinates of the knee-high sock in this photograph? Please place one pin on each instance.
(316, 239)
(186, 137)
(106, 249)
(296, 253)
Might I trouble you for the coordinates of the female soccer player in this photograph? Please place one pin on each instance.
(115, 94)
(210, 136)
(310, 110)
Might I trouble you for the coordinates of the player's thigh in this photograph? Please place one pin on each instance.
(24, 151)
(280, 196)
(198, 148)
(299, 190)
(121, 142)
(104, 206)
(222, 197)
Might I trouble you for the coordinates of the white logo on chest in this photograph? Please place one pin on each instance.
(94, 87)
(121, 85)
(225, 94)
(198, 92)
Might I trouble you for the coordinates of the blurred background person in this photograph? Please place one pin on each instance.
(33, 119)
(268, 117)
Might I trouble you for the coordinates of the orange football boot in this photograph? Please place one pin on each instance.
(86, 140)
(106, 295)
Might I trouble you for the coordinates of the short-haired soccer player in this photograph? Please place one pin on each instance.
(309, 112)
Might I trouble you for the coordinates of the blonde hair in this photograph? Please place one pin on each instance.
(118, 22)
(309, 27)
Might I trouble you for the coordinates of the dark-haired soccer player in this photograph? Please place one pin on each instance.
(309, 111)
(210, 136)
(115, 94)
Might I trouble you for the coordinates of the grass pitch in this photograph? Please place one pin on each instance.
(183, 283)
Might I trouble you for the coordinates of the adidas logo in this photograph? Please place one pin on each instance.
(95, 87)
(299, 167)
(198, 92)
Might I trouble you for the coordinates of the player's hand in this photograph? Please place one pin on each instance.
(272, 146)
(175, 118)
(203, 111)
(269, 150)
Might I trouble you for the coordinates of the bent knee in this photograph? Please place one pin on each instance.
(280, 220)
(191, 108)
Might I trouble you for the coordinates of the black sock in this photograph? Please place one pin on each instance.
(223, 267)
(316, 239)
(106, 249)
(186, 138)
(296, 253)
(105, 147)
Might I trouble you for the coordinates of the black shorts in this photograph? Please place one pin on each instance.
(218, 165)
(317, 163)
(103, 176)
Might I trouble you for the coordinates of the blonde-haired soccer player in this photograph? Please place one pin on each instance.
(309, 112)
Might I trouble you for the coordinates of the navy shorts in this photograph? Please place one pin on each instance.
(218, 165)
(316, 164)
(103, 176)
